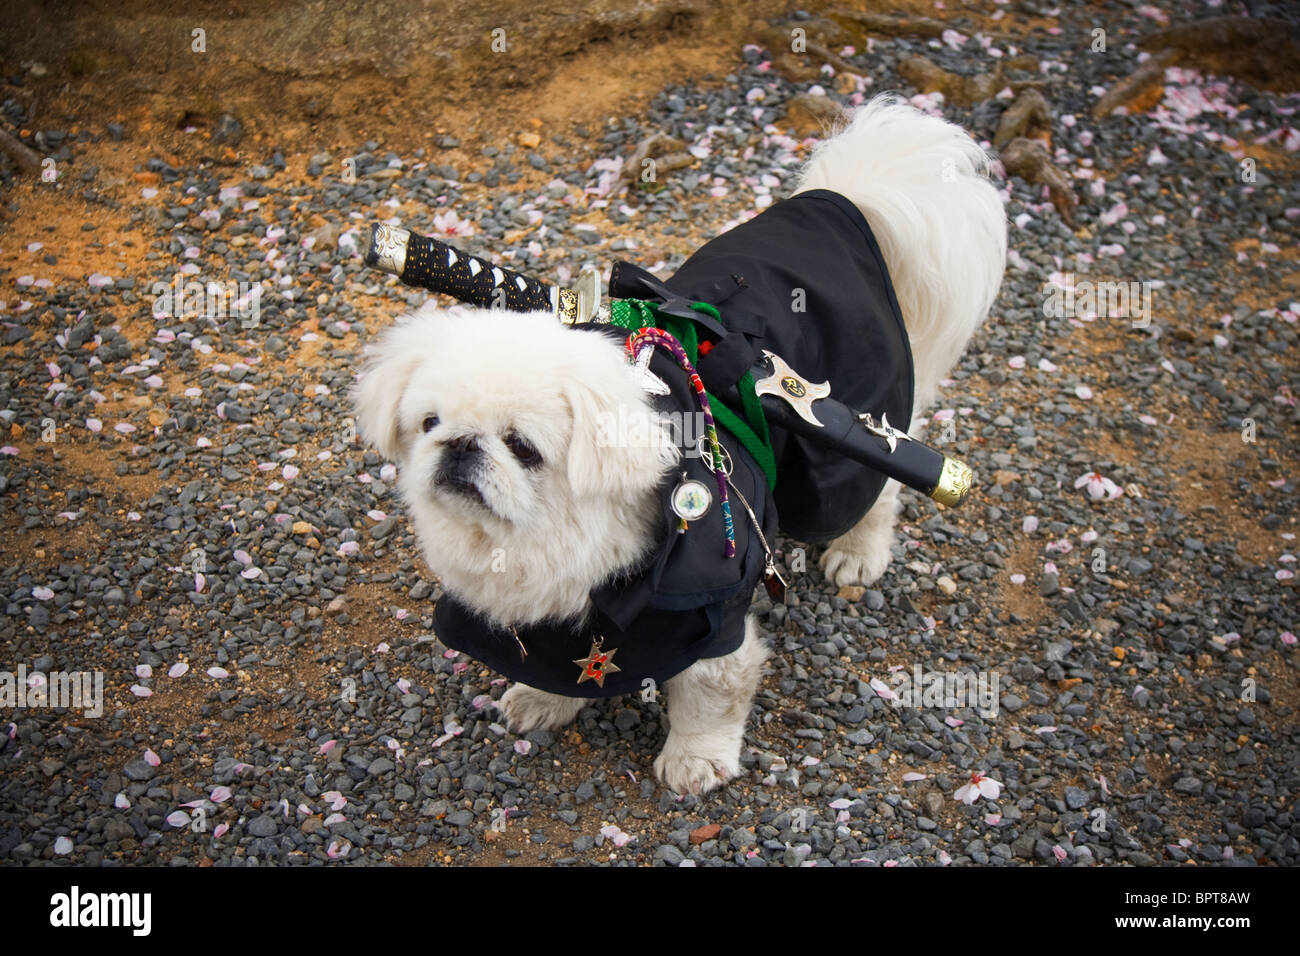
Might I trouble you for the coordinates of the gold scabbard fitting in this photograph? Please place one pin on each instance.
(566, 306)
(388, 249)
(954, 483)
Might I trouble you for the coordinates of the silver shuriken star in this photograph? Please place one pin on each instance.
(884, 430)
(793, 387)
(641, 374)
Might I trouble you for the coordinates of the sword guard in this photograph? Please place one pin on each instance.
(784, 382)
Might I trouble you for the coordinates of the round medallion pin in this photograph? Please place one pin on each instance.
(691, 499)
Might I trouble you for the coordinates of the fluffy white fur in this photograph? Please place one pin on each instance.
(540, 538)
(550, 533)
(922, 184)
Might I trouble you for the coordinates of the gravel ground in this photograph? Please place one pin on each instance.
(186, 512)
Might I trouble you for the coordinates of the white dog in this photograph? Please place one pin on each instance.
(522, 511)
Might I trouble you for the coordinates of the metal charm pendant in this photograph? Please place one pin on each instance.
(773, 582)
(597, 663)
(884, 430)
(691, 499)
(706, 456)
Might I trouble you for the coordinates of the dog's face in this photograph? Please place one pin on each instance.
(522, 494)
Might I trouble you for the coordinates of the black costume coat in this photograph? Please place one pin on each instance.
(687, 602)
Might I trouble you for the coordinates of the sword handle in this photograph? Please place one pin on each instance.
(427, 263)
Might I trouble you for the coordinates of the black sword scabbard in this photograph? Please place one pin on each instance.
(789, 401)
(806, 408)
(427, 263)
(911, 463)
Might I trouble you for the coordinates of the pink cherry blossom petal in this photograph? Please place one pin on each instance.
(882, 689)
(615, 835)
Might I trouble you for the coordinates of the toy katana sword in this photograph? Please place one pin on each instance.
(789, 400)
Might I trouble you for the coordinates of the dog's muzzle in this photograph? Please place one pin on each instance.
(460, 464)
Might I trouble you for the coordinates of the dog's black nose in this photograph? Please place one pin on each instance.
(463, 446)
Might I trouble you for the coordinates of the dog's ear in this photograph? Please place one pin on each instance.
(619, 444)
(376, 398)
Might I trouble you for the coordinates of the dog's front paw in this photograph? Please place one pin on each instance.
(844, 567)
(697, 766)
(527, 708)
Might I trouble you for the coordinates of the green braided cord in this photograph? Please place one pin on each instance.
(632, 314)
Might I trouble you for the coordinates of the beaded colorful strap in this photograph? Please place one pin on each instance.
(649, 337)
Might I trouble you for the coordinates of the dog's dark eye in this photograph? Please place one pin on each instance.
(430, 423)
(521, 449)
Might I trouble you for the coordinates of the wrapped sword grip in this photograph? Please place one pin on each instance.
(427, 263)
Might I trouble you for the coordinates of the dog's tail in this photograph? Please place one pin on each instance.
(922, 184)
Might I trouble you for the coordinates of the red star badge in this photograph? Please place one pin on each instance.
(597, 663)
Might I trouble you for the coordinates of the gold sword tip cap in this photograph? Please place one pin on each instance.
(954, 483)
